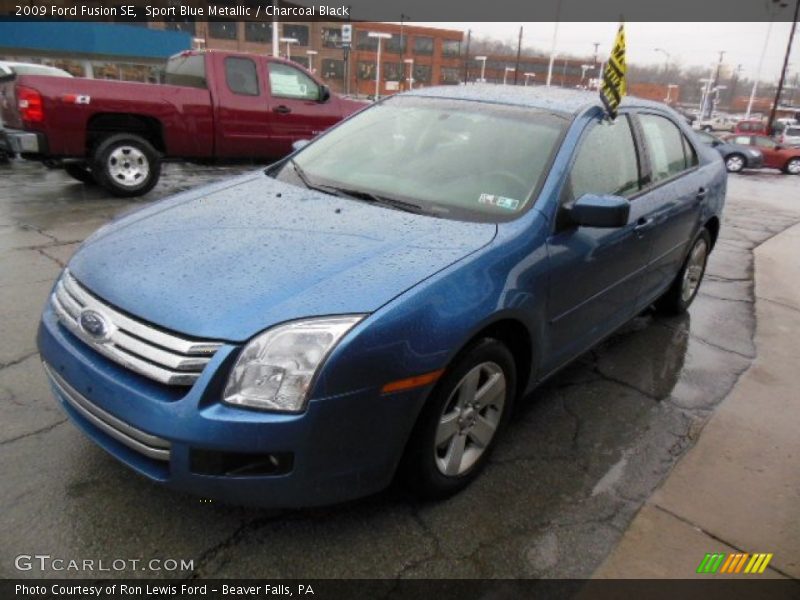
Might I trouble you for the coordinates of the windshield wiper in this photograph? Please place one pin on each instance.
(384, 200)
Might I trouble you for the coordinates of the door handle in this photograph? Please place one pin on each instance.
(643, 224)
(701, 193)
(282, 109)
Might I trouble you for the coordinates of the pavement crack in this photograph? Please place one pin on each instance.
(779, 303)
(625, 384)
(32, 433)
(720, 348)
(17, 361)
(41, 251)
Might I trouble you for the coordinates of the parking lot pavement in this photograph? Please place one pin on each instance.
(580, 457)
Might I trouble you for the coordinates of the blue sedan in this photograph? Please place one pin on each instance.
(374, 304)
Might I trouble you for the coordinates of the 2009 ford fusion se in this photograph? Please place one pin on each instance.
(374, 304)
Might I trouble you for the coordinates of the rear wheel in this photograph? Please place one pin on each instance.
(734, 163)
(685, 286)
(792, 167)
(126, 164)
(459, 425)
(80, 172)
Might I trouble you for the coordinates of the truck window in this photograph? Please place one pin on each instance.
(240, 74)
(186, 70)
(288, 82)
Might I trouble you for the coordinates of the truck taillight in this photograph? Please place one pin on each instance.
(30, 104)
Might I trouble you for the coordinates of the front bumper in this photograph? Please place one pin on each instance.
(23, 142)
(340, 448)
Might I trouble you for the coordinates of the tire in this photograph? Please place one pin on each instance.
(426, 468)
(126, 165)
(80, 172)
(680, 295)
(792, 167)
(735, 162)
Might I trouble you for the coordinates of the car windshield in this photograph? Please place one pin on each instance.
(792, 131)
(449, 158)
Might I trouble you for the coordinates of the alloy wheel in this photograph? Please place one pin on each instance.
(693, 273)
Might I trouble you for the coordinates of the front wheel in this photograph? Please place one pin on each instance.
(734, 163)
(459, 425)
(792, 167)
(126, 164)
(684, 288)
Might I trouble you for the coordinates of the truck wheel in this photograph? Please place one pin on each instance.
(682, 292)
(126, 164)
(80, 172)
(459, 424)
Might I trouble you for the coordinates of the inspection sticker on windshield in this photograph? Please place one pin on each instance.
(499, 201)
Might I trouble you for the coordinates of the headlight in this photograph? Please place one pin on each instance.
(276, 368)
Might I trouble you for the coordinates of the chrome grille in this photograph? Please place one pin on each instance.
(150, 445)
(154, 353)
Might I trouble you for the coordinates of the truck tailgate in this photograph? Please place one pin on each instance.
(9, 112)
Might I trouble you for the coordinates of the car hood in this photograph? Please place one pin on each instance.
(228, 261)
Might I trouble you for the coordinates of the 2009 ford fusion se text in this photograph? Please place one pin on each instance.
(373, 305)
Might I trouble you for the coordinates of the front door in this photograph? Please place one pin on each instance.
(596, 273)
(769, 148)
(297, 113)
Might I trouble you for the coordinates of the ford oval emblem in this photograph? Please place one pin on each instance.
(94, 324)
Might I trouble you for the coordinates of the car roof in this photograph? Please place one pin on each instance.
(561, 100)
(7, 64)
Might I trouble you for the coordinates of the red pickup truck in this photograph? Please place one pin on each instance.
(214, 105)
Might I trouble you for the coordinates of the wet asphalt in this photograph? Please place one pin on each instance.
(580, 457)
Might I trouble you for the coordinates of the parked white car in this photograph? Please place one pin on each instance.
(791, 135)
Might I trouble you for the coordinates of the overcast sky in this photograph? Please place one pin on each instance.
(688, 43)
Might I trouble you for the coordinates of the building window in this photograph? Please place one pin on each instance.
(422, 73)
(450, 75)
(240, 74)
(366, 70)
(451, 47)
(298, 32)
(423, 45)
(185, 26)
(392, 71)
(222, 30)
(331, 37)
(256, 31)
(364, 42)
(301, 60)
(394, 45)
(332, 68)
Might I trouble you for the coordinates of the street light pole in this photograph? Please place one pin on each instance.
(505, 74)
(482, 60)
(288, 41)
(311, 54)
(410, 63)
(553, 45)
(380, 37)
(666, 59)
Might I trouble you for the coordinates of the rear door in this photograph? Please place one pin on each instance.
(243, 117)
(671, 200)
(297, 113)
(595, 273)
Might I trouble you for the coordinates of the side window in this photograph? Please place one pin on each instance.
(742, 139)
(690, 153)
(665, 146)
(288, 82)
(241, 76)
(606, 162)
(764, 142)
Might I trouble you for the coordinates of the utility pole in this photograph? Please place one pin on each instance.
(466, 57)
(785, 65)
(403, 17)
(734, 83)
(713, 99)
(519, 52)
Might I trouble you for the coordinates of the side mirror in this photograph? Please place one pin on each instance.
(716, 143)
(600, 211)
(299, 144)
(324, 93)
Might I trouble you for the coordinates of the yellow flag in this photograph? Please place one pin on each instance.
(612, 88)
